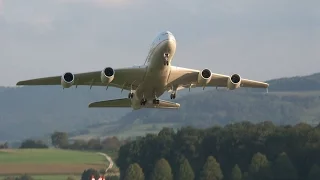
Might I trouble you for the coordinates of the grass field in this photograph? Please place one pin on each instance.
(50, 177)
(50, 162)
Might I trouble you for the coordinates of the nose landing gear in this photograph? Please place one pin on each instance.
(166, 57)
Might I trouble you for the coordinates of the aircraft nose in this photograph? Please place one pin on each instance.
(170, 36)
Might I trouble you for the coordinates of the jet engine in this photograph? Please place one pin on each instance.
(107, 75)
(204, 77)
(67, 80)
(234, 82)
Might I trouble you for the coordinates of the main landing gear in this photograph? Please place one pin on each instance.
(156, 101)
(166, 57)
(144, 101)
(172, 95)
(130, 95)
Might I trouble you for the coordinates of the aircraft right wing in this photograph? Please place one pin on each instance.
(185, 78)
(125, 103)
(121, 78)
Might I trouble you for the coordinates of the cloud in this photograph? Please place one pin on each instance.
(101, 3)
(1, 7)
(82, 35)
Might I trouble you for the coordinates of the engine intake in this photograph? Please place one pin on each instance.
(107, 75)
(234, 82)
(204, 77)
(67, 80)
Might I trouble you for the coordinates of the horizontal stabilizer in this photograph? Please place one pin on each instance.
(125, 102)
(111, 103)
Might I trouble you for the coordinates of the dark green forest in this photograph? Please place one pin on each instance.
(239, 151)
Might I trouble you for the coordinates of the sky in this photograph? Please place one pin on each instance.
(259, 40)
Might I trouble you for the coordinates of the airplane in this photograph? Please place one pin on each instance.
(149, 81)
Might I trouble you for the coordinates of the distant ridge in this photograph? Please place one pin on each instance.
(37, 111)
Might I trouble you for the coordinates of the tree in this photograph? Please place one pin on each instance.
(71, 178)
(111, 144)
(211, 170)
(25, 177)
(236, 173)
(314, 173)
(185, 170)
(112, 178)
(29, 143)
(94, 144)
(4, 146)
(88, 173)
(259, 167)
(162, 171)
(134, 171)
(283, 168)
(59, 139)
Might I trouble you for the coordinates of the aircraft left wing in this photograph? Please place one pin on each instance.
(186, 78)
(124, 78)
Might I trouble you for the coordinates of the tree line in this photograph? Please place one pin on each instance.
(240, 151)
(61, 140)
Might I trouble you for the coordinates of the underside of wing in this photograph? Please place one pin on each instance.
(122, 78)
(125, 103)
(185, 78)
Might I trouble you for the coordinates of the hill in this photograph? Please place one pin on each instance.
(48, 162)
(35, 111)
(290, 101)
(38, 111)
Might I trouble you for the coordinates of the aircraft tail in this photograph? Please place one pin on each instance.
(126, 103)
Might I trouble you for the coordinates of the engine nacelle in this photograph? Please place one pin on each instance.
(234, 82)
(67, 80)
(204, 77)
(107, 75)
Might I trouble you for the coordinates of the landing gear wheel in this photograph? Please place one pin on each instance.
(172, 96)
(156, 101)
(143, 102)
(130, 95)
(166, 62)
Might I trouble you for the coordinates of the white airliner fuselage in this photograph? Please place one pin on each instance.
(159, 60)
(148, 82)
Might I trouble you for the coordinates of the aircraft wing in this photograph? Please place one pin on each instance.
(123, 78)
(125, 103)
(186, 78)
